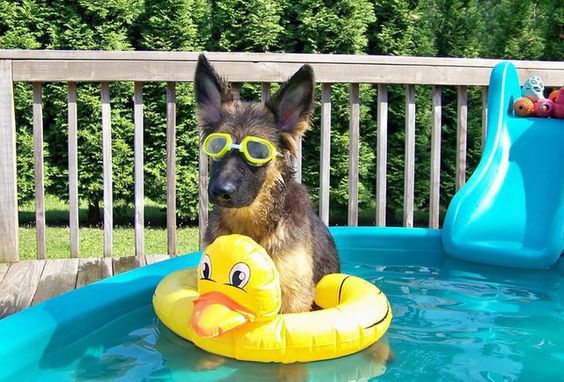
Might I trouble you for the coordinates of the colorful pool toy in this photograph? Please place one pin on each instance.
(533, 89)
(544, 108)
(233, 308)
(558, 104)
(533, 104)
(524, 107)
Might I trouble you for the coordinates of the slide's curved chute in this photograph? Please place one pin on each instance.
(511, 210)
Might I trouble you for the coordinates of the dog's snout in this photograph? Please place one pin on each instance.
(222, 192)
(233, 182)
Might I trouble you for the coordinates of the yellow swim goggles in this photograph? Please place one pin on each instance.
(257, 151)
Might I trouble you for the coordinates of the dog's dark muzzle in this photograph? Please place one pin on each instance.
(222, 193)
(233, 182)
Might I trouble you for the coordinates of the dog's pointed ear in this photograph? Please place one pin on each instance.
(293, 103)
(210, 92)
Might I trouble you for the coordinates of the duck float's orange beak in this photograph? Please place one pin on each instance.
(215, 314)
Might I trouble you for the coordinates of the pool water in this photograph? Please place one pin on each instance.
(453, 321)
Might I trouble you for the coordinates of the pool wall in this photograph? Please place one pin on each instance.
(30, 335)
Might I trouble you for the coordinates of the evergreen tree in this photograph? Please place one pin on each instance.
(250, 26)
(174, 26)
(400, 29)
(518, 30)
(17, 32)
(457, 27)
(318, 26)
(89, 25)
(246, 26)
(461, 28)
(553, 24)
(315, 26)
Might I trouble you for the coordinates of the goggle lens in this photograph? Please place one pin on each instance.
(258, 150)
(215, 144)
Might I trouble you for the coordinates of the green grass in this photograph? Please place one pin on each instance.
(91, 240)
(57, 213)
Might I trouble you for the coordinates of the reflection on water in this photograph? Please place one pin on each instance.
(472, 322)
(454, 322)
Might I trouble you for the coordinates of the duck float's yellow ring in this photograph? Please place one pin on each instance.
(230, 307)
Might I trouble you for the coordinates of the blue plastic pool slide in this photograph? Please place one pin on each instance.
(511, 210)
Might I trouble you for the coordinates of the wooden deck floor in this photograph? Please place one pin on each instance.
(30, 282)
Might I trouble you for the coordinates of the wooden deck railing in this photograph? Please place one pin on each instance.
(104, 67)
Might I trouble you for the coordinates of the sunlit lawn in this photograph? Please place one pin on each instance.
(91, 240)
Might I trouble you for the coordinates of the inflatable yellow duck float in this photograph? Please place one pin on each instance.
(231, 307)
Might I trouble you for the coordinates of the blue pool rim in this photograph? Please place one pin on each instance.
(31, 334)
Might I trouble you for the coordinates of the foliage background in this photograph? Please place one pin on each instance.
(509, 29)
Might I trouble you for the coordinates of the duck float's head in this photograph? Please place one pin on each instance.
(238, 283)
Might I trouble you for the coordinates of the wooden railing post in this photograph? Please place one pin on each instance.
(409, 172)
(325, 156)
(435, 189)
(202, 196)
(382, 155)
(461, 136)
(171, 168)
(139, 175)
(72, 148)
(354, 152)
(38, 172)
(107, 169)
(484, 115)
(8, 190)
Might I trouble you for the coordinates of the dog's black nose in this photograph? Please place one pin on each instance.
(222, 192)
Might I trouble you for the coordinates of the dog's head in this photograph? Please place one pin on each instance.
(234, 181)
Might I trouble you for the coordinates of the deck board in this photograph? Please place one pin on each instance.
(19, 285)
(3, 269)
(107, 267)
(124, 264)
(155, 258)
(32, 281)
(58, 277)
(89, 271)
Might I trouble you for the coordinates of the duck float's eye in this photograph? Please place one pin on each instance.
(239, 275)
(205, 267)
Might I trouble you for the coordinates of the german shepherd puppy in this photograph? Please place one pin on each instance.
(265, 202)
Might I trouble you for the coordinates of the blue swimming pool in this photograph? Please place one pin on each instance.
(453, 321)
